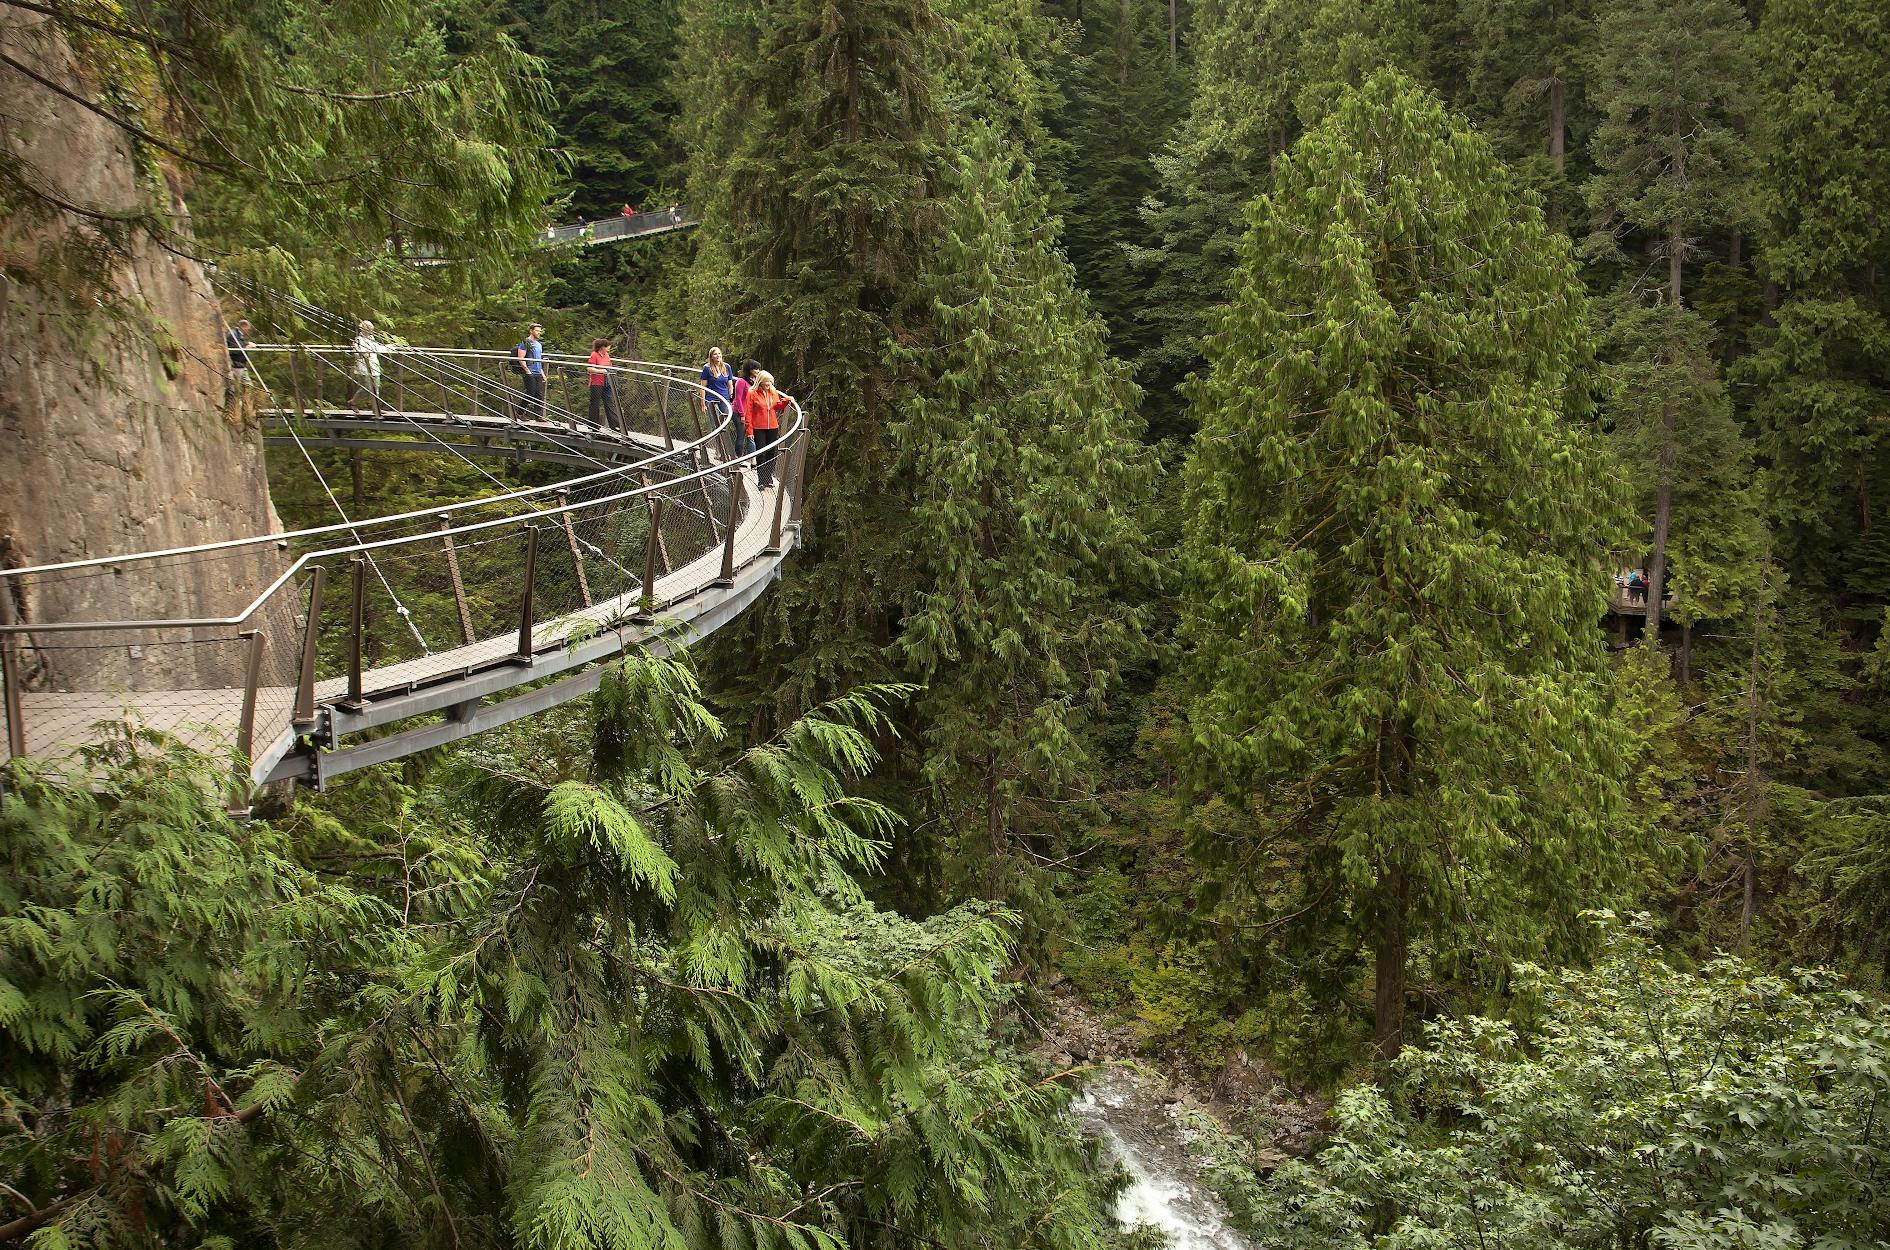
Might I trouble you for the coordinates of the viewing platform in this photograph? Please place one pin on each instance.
(315, 652)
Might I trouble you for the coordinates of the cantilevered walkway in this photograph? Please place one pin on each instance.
(313, 653)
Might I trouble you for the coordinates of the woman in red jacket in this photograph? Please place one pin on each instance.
(764, 422)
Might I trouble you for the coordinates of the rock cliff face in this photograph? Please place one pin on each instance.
(116, 434)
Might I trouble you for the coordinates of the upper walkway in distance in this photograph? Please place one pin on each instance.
(619, 228)
(291, 649)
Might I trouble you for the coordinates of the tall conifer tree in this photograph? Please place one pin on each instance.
(1823, 368)
(834, 132)
(1671, 80)
(1394, 535)
(1264, 68)
(1026, 474)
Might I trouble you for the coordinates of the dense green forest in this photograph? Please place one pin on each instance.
(1236, 426)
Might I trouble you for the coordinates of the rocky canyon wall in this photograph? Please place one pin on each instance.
(116, 431)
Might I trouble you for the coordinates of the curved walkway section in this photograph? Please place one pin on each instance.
(316, 652)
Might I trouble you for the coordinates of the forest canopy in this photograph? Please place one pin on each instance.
(1343, 548)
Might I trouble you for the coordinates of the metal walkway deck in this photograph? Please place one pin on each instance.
(312, 653)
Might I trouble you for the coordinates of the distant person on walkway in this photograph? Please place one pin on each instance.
(629, 211)
(738, 398)
(717, 381)
(675, 214)
(236, 340)
(367, 365)
(529, 357)
(1637, 587)
(764, 406)
(603, 392)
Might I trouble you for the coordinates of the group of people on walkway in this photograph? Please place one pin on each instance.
(748, 395)
(754, 405)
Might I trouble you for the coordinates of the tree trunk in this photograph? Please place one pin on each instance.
(1174, 36)
(1392, 951)
(1749, 860)
(1558, 124)
(1676, 254)
(1663, 497)
(1684, 670)
(1663, 517)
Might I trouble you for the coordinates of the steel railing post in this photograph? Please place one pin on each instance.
(734, 523)
(781, 487)
(295, 382)
(459, 586)
(11, 686)
(662, 415)
(357, 620)
(524, 652)
(246, 724)
(311, 630)
(647, 606)
(800, 472)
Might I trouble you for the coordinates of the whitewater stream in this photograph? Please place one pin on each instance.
(1133, 1117)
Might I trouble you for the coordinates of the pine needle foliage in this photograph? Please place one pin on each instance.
(1027, 477)
(1822, 368)
(1395, 537)
(314, 135)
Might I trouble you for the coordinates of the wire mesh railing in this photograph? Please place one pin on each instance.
(247, 644)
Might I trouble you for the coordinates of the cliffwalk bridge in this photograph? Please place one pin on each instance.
(312, 653)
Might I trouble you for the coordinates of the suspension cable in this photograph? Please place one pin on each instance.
(400, 608)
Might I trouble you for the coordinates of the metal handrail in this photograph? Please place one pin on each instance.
(286, 536)
(793, 431)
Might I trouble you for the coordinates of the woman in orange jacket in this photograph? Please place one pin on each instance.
(764, 423)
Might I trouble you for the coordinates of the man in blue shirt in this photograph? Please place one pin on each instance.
(530, 356)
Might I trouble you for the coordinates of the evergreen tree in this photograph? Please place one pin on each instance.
(1026, 478)
(1822, 369)
(1691, 469)
(577, 997)
(1121, 93)
(614, 71)
(1395, 536)
(1524, 81)
(1264, 69)
(829, 216)
(1671, 82)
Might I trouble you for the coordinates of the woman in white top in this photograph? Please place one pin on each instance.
(367, 363)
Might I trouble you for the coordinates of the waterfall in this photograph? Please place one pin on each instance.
(1141, 1132)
